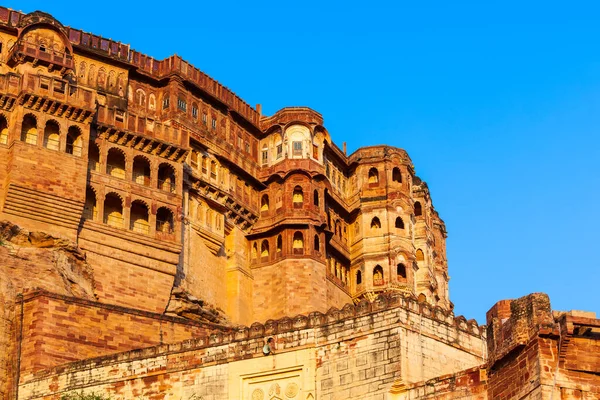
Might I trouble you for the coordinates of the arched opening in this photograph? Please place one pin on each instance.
(200, 213)
(29, 129)
(139, 217)
(298, 243)
(213, 170)
(422, 298)
(298, 197)
(279, 243)
(317, 243)
(52, 135)
(90, 210)
(113, 210)
(115, 163)
(74, 141)
(141, 170)
(418, 209)
(166, 178)
(264, 203)
(264, 249)
(399, 223)
(209, 218)
(316, 198)
(254, 253)
(93, 157)
(338, 228)
(401, 271)
(377, 275)
(164, 220)
(358, 277)
(420, 256)
(375, 223)
(3, 130)
(373, 176)
(396, 175)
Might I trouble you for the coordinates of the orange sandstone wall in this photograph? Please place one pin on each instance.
(59, 329)
(289, 288)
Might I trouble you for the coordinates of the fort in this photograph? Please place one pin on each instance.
(157, 230)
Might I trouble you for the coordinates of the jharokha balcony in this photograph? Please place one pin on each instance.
(40, 54)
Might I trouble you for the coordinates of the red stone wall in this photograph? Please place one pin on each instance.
(60, 329)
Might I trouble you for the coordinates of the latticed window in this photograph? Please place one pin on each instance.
(297, 149)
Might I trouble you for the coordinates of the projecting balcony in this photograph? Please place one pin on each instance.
(56, 97)
(39, 54)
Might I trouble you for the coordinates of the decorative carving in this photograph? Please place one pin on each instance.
(274, 390)
(258, 394)
(291, 390)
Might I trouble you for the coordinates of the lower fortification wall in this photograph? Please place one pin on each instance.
(358, 352)
(60, 329)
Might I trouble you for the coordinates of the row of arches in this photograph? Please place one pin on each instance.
(297, 199)
(297, 246)
(140, 170)
(379, 277)
(373, 176)
(376, 223)
(99, 77)
(137, 217)
(52, 135)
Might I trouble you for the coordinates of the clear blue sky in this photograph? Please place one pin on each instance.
(497, 103)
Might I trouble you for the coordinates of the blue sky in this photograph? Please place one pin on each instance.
(497, 104)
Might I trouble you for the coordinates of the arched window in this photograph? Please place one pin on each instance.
(420, 256)
(338, 228)
(3, 130)
(141, 170)
(254, 251)
(209, 218)
(115, 163)
(418, 209)
(373, 176)
(422, 298)
(90, 210)
(401, 271)
(139, 217)
(204, 165)
(396, 175)
(279, 243)
(82, 71)
(166, 178)
(358, 277)
(113, 210)
(356, 228)
(92, 75)
(93, 157)
(200, 213)
(399, 223)
(298, 243)
(140, 98)
(298, 197)
(52, 135)
(264, 203)
(317, 243)
(29, 129)
(264, 249)
(316, 198)
(377, 275)
(74, 141)
(213, 170)
(164, 220)
(375, 223)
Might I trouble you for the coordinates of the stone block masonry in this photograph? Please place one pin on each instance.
(357, 352)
